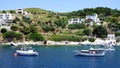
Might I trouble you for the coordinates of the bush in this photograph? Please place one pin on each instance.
(36, 37)
(91, 39)
(3, 30)
(10, 35)
(76, 26)
(14, 28)
(87, 31)
(117, 34)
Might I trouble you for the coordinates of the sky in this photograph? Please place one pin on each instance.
(58, 5)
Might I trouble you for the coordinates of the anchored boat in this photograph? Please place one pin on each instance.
(26, 51)
(90, 52)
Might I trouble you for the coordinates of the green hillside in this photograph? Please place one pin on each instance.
(54, 26)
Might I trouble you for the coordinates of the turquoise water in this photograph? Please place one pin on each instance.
(57, 57)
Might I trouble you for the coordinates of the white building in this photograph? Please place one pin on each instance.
(6, 16)
(75, 20)
(5, 20)
(21, 11)
(93, 18)
(111, 39)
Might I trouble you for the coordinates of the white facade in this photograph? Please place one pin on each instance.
(111, 36)
(111, 39)
(6, 16)
(5, 20)
(21, 11)
(75, 20)
(93, 17)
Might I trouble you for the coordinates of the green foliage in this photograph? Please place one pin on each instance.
(15, 20)
(10, 35)
(26, 19)
(14, 28)
(3, 11)
(25, 30)
(33, 29)
(117, 33)
(12, 11)
(80, 33)
(61, 22)
(91, 39)
(3, 30)
(100, 31)
(36, 37)
(35, 10)
(64, 38)
(87, 31)
(102, 11)
(76, 26)
(48, 28)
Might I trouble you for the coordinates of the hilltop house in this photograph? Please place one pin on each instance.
(21, 11)
(93, 18)
(5, 20)
(75, 20)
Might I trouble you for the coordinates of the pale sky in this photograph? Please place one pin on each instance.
(58, 5)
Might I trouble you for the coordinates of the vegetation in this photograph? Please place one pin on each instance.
(3, 30)
(14, 28)
(91, 39)
(39, 24)
(76, 26)
(36, 37)
(100, 31)
(11, 36)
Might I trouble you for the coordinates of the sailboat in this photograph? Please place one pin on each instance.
(26, 51)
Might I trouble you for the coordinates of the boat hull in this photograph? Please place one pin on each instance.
(79, 53)
(26, 53)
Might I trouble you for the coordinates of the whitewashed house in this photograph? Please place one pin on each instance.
(111, 39)
(6, 16)
(93, 17)
(5, 20)
(75, 20)
(21, 11)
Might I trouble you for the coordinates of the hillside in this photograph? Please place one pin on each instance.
(43, 15)
(54, 26)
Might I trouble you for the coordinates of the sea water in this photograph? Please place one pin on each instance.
(57, 57)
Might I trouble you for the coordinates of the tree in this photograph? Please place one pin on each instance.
(12, 11)
(11, 35)
(14, 28)
(25, 30)
(33, 29)
(100, 31)
(4, 11)
(36, 37)
(117, 34)
(15, 20)
(91, 39)
(61, 22)
(26, 19)
(48, 28)
(3, 30)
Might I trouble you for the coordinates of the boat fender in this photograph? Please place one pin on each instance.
(15, 54)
